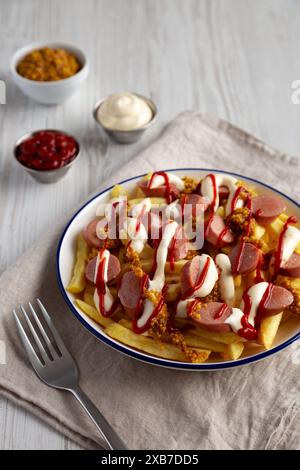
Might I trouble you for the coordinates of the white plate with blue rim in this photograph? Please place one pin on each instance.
(288, 333)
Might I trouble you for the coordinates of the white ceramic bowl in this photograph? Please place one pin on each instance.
(288, 332)
(52, 92)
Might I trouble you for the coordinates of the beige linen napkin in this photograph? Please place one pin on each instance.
(253, 407)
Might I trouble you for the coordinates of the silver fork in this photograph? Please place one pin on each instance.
(57, 368)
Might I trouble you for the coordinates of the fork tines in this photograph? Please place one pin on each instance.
(41, 348)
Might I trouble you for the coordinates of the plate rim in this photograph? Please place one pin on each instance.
(152, 359)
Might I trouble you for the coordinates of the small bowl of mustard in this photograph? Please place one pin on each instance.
(49, 72)
(125, 116)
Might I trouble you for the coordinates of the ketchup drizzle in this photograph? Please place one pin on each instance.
(220, 312)
(215, 190)
(169, 195)
(139, 219)
(237, 264)
(248, 331)
(171, 250)
(235, 197)
(221, 236)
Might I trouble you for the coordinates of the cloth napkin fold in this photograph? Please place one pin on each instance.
(253, 407)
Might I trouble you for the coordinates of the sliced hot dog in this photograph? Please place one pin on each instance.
(179, 247)
(129, 292)
(158, 192)
(279, 300)
(266, 208)
(292, 266)
(190, 275)
(113, 269)
(90, 236)
(223, 192)
(194, 204)
(215, 232)
(244, 259)
(212, 316)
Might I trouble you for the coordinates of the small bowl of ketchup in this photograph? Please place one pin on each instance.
(46, 155)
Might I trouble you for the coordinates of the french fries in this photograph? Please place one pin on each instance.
(78, 281)
(149, 345)
(268, 330)
(155, 201)
(233, 351)
(118, 190)
(93, 313)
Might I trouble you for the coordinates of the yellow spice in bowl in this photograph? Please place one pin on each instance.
(48, 64)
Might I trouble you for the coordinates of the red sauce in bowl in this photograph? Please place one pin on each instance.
(47, 150)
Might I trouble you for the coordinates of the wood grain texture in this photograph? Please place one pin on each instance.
(232, 58)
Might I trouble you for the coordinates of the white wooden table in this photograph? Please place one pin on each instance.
(233, 58)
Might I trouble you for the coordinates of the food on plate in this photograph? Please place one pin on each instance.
(48, 64)
(47, 150)
(145, 274)
(124, 112)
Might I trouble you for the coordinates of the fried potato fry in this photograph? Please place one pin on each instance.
(139, 193)
(259, 231)
(178, 265)
(155, 201)
(149, 345)
(233, 351)
(191, 340)
(268, 330)
(196, 341)
(118, 190)
(93, 313)
(78, 281)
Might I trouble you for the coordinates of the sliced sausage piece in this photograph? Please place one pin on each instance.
(244, 258)
(90, 235)
(194, 204)
(179, 246)
(212, 316)
(158, 192)
(189, 275)
(215, 232)
(223, 192)
(113, 269)
(279, 300)
(292, 266)
(129, 292)
(266, 208)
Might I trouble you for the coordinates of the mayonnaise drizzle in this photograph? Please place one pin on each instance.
(133, 228)
(226, 278)
(159, 180)
(108, 298)
(158, 280)
(256, 294)
(291, 238)
(207, 190)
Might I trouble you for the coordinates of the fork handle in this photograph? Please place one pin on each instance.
(110, 436)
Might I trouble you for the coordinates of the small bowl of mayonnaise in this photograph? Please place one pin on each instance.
(125, 116)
